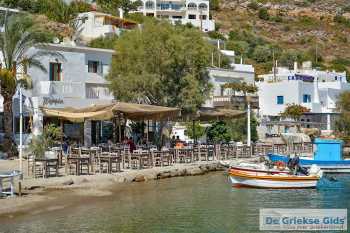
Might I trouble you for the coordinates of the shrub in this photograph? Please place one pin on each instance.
(104, 42)
(253, 5)
(263, 14)
(342, 20)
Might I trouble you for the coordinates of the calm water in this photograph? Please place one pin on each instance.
(191, 204)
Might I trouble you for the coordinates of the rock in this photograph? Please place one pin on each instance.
(68, 182)
(84, 180)
(195, 171)
(164, 174)
(139, 178)
(175, 173)
(120, 179)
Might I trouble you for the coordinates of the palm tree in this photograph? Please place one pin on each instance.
(18, 36)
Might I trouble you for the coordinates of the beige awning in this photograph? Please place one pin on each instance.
(218, 114)
(106, 112)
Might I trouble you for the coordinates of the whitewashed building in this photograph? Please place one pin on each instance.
(195, 12)
(220, 76)
(76, 81)
(314, 89)
(91, 25)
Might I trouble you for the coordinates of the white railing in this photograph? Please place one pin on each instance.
(98, 92)
(222, 98)
(60, 88)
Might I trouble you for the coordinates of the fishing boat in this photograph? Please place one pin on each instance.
(261, 168)
(275, 181)
(328, 156)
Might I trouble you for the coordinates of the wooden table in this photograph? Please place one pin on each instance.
(79, 161)
(47, 164)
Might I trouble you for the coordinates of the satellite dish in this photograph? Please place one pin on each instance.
(56, 40)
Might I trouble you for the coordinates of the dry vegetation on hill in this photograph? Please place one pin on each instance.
(297, 26)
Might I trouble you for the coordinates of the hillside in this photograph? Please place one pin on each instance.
(306, 28)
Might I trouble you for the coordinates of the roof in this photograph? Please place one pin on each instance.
(106, 112)
(116, 20)
(74, 48)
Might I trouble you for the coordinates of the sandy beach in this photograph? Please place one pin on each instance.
(44, 194)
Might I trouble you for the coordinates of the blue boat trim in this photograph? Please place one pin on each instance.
(309, 162)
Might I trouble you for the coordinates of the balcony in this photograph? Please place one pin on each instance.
(59, 88)
(235, 102)
(98, 92)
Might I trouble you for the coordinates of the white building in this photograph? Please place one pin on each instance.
(195, 12)
(77, 81)
(314, 89)
(92, 25)
(220, 76)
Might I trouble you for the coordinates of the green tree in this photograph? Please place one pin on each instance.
(104, 42)
(19, 36)
(218, 132)
(343, 106)
(295, 112)
(237, 128)
(162, 64)
(262, 53)
(214, 5)
(199, 130)
(111, 6)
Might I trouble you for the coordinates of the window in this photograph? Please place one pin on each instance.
(55, 71)
(192, 6)
(280, 99)
(93, 66)
(203, 6)
(191, 16)
(204, 17)
(306, 98)
(149, 5)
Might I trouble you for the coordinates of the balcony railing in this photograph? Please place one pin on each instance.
(236, 102)
(60, 88)
(98, 92)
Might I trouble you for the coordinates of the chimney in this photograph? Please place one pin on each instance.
(295, 66)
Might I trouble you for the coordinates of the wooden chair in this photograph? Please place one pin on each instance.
(166, 158)
(115, 162)
(157, 158)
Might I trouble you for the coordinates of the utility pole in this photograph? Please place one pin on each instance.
(248, 123)
(20, 129)
(274, 65)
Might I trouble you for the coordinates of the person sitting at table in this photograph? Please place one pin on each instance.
(178, 143)
(131, 144)
(172, 142)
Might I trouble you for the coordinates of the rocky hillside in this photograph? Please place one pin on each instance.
(321, 26)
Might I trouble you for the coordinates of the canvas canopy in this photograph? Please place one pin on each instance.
(218, 114)
(106, 112)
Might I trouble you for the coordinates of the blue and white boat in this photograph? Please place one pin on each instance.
(328, 156)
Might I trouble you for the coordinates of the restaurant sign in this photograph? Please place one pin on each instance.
(49, 101)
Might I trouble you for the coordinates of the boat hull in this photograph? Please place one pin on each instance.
(326, 166)
(272, 181)
(258, 171)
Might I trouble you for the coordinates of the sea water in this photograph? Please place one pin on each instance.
(185, 204)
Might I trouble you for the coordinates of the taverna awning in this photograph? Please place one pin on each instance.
(106, 112)
(208, 114)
